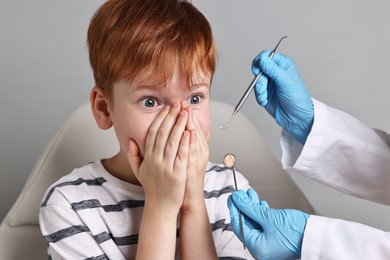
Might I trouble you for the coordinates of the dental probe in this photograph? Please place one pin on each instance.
(249, 90)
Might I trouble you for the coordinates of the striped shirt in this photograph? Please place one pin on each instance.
(90, 214)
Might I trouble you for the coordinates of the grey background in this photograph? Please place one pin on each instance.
(341, 48)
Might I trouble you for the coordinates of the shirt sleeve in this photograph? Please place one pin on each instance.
(327, 238)
(343, 153)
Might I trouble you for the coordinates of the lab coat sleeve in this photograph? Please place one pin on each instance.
(343, 153)
(327, 238)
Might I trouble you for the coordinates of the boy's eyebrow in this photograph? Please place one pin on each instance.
(145, 84)
(199, 85)
(160, 86)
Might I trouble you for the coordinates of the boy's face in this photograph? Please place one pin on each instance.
(135, 105)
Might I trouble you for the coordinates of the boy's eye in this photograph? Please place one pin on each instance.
(194, 99)
(148, 102)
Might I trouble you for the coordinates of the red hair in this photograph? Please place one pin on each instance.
(126, 37)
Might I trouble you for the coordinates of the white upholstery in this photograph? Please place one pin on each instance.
(80, 141)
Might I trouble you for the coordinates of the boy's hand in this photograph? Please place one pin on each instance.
(162, 172)
(197, 162)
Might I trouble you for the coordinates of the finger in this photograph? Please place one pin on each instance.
(261, 90)
(261, 86)
(192, 156)
(269, 67)
(250, 208)
(193, 123)
(153, 130)
(185, 106)
(202, 143)
(164, 131)
(256, 61)
(264, 204)
(253, 196)
(181, 159)
(208, 136)
(281, 60)
(134, 157)
(276, 67)
(200, 140)
(194, 134)
(200, 135)
(175, 137)
(197, 125)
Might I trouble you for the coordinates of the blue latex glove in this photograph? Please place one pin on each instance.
(269, 233)
(283, 94)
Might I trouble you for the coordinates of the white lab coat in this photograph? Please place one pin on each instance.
(347, 155)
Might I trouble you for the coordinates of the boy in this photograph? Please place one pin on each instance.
(153, 61)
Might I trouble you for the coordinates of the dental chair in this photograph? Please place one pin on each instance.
(80, 141)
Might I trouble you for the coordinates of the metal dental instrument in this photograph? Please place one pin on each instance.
(249, 90)
(230, 161)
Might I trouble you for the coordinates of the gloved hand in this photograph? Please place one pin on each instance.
(283, 94)
(269, 233)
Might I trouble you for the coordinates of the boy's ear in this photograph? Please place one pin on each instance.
(99, 106)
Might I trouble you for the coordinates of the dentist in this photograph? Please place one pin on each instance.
(324, 144)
